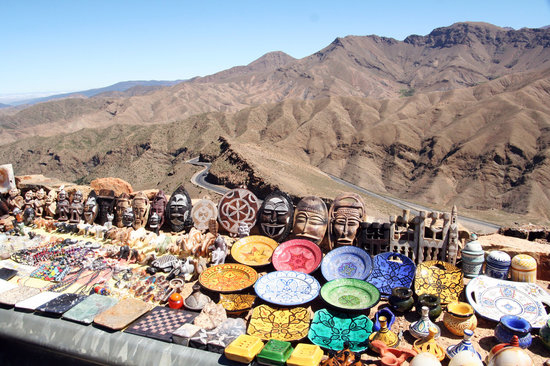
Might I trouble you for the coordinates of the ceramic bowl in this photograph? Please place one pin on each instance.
(350, 294)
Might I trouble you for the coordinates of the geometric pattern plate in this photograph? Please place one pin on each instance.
(493, 298)
(439, 278)
(391, 270)
(290, 324)
(160, 322)
(287, 288)
(346, 262)
(238, 206)
(297, 255)
(254, 250)
(350, 294)
(228, 277)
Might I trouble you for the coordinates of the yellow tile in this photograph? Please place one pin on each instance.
(244, 348)
(305, 355)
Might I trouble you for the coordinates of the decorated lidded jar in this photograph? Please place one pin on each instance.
(464, 345)
(459, 317)
(524, 268)
(420, 328)
(509, 354)
(473, 257)
(497, 264)
(513, 325)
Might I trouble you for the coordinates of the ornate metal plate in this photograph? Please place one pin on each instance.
(391, 270)
(202, 212)
(228, 277)
(350, 294)
(290, 324)
(346, 262)
(297, 255)
(439, 278)
(287, 288)
(254, 250)
(238, 206)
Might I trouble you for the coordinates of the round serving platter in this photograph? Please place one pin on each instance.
(297, 255)
(346, 262)
(254, 250)
(228, 277)
(287, 288)
(391, 270)
(350, 294)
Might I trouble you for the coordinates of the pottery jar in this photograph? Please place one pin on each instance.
(433, 302)
(465, 358)
(473, 257)
(544, 333)
(458, 317)
(401, 299)
(524, 268)
(464, 345)
(509, 354)
(497, 264)
(510, 325)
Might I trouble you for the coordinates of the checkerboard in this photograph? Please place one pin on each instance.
(160, 322)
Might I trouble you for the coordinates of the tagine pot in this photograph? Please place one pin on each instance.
(401, 299)
(458, 317)
(433, 302)
(544, 334)
(513, 325)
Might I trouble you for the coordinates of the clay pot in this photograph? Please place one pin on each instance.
(544, 334)
(459, 316)
(513, 325)
(401, 299)
(433, 302)
(509, 354)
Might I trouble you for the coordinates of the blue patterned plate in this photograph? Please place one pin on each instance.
(287, 288)
(391, 270)
(346, 262)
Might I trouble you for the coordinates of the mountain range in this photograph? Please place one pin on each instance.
(459, 116)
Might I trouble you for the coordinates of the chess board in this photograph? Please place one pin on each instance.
(160, 322)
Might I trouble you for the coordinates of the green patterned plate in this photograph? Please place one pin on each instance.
(350, 294)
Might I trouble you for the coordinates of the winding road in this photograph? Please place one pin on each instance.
(478, 226)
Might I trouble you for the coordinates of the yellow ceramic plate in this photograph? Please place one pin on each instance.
(439, 278)
(237, 302)
(228, 277)
(254, 250)
(285, 324)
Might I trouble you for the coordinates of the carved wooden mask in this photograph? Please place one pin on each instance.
(178, 210)
(310, 219)
(140, 206)
(345, 215)
(276, 216)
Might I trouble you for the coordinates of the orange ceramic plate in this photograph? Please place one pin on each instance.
(228, 277)
(254, 250)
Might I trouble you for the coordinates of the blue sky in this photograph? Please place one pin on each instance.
(60, 46)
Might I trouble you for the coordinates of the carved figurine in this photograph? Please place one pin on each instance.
(140, 206)
(90, 209)
(243, 231)
(154, 222)
(310, 219)
(158, 206)
(346, 214)
(63, 203)
(15, 200)
(76, 208)
(50, 208)
(39, 202)
(178, 210)
(128, 217)
(276, 215)
(29, 200)
(28, 216)
(106, 203)
(220, 251)
(18, 224)
(122, 203)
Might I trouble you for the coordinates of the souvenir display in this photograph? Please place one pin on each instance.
(497, 264)
(430, 345)
(473, 257)
(464, 345)
(346, 214)
(492, 299)
(178, 210)
(524, 268)
(106, 203)
(297, 255)
(244, 348)
(332, 329)
(236, 207)
(60, 304)
(276, 216)
(287, 288)
(228, 277)
(386, 313)
(160, 322)
(39, 202)
(284, 324)
(91, 209)
(86, 311)
(459, 317)
(421, 327)
(202, 212)
(508, 354)
(350, 294)
(141, 207)
(236, 303)
(35, 301)
(274, 353)
(17, 294)
(346, 262)
(255, 250)
(384, 334)
(122, 203)
(513, 325)
(305, 355)
(158, 206)
(401, 299)
(122, 313)
(432, 302)
(391, 270)
(310, 219)
(62, 210)
(439, 278)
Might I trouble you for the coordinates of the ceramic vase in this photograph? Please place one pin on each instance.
(432, 302)
(401, 299)
(473, 257)
(524, 268)
(464, 345)
(513, 325)
(509, 354)
(497, 264)
(420, 328)
(458, 317)
(544, 333)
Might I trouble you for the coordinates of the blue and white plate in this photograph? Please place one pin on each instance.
(391, 270)
(287, 288)
(346, 262)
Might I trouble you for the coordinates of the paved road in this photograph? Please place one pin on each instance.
(199, 178)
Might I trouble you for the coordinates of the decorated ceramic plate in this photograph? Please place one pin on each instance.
(346, 262)
(331, 329)
(287, 288)
(228, 277)
(391, 270)
(493, 298)
(350, 294)
(237, 302)
(297, 255)
(254, 250)
(290, 324)
(439, 278)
